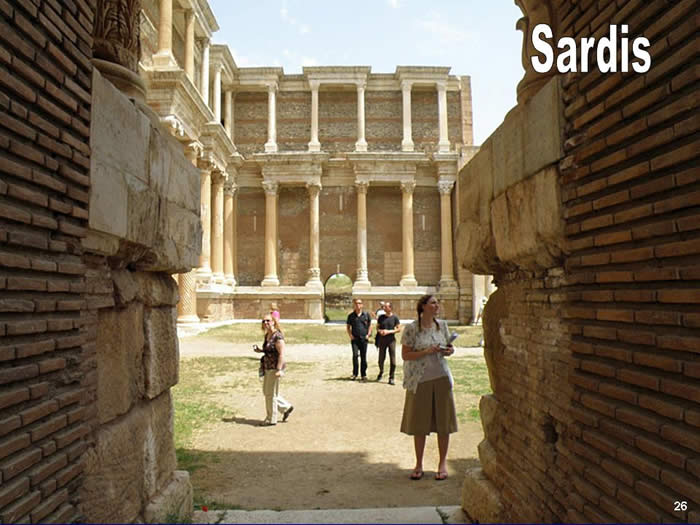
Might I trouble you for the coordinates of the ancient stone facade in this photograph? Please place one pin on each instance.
(585, 206)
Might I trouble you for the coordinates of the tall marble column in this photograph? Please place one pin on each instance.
(228, 113)
(204, 270)
(314, 144)
(447, 277)
(271, 144)
(217, 93)
(362, 280)
(271, 195)
(314, 280)
(204, 78)
(407, 278)
(407, 142)
(189, 44)
(361, 144)
(444, 142)
(164, 56)
(217, 227)
(187, 282)
(229, 233)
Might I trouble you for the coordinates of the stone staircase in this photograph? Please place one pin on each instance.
(448, 514)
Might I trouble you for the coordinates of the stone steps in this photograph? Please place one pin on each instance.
(446, 514)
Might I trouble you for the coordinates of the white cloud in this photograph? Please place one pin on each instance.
(394, 4)
(441, 30)
(309, 61)
(304, 29)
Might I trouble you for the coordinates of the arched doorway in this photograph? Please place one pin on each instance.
(337, 298)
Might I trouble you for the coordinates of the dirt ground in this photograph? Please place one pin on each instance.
(340, 448)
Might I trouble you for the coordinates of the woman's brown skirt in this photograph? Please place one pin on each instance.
(430, 409)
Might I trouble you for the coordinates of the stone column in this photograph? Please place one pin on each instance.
(187, 282)
(407, 143)
(189, 44)
(361, 144)
(229, 233)
(314, 144)
(478, 293)
(444, 142)
(408, 278)
(228, 113)
(271, 195)
(164, 56)
(217, 227)
(204, 270)
(217, 93)
(362, 280)
(447, 276)
(204, 79)
(314, 280)
(271, 144)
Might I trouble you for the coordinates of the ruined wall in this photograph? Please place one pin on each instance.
(338, 231)
(45, 51)
(250, 122)
(383, 120)
(592, 336)
(293, 236)
(250, 237)
(337, 120)
(293, 120)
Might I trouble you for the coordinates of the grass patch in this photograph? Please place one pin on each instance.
(336, 314)
(471, 382)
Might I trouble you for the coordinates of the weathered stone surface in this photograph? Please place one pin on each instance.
(544, 128)
(159, 460)
(174, 501)
(480, 498)
(120, 343)
(155, 289)
(496, 309)
(161, 354)
(124, 286)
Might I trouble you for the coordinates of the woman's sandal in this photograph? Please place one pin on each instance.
(416, 474)
(441, 476)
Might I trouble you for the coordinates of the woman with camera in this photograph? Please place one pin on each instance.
(272, 366)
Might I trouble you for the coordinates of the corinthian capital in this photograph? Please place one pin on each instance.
(271, 187)
(361, 186)
(314, 188)
(116, 32)
(408, 186)
(445, 187)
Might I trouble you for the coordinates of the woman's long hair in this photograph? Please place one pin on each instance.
(419, 309)
(275, 326)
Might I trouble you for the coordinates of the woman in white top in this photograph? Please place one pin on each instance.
(429, 405)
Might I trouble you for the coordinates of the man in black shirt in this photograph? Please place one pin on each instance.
(359, 327)
(388, 324)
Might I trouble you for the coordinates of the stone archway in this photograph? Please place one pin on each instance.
(337, 297)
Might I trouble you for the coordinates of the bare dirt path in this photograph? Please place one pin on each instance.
(340, 448)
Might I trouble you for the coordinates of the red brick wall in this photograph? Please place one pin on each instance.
(631, 189)
(45, 51)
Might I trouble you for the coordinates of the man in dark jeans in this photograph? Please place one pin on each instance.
(359, 327)
(388, 324)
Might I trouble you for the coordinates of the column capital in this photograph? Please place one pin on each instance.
(218, 177)
(441, 85)
(271, 187)
(314, 84)
(406, 85)
(408, 186)
(361, 84)
(272, 86)
(230, 187)
(203, 40)
(314, 188)
(445, 186)
(362, 186)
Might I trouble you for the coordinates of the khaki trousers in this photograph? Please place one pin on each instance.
(274, 402)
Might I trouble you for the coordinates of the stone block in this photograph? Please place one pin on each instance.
(183, 188)
(512, 133)
(143, 205)
(124, 286)
(160, 161)
(481, 499)
(120, 378)
(174, 503)
(156, 289)
(161, 353)
(159, 460)
(108, 199)
(544, 120)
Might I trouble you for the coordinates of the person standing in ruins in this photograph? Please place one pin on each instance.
(429, 405)
(388, 325)
(273, 365)
(359, 328)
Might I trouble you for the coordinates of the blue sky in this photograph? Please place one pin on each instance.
(474, 37)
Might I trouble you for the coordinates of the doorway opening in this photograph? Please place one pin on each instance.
(337, 298)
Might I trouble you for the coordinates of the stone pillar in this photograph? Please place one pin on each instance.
(362, 280)
(447, 276)
(478, 293)
(204, 270)
(361, 144)
(217, 93)
(407, 143)
(229, 233)
(189, 44)
(228, 113)
(271, 144)
(271, 195)
(204, 79)
(217, 227)
(407, 278)
(164, 56)
(314, 280)
(444, 142)
(187, 282)
(314, 144)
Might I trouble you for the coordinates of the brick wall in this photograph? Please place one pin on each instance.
(293, 120)
(250, 122)
(293, 236)
(337, 120)
(45, 50)
(250, 237)
(632, 197)
(384, 120)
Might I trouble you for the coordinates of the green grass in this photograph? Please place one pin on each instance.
(317, 333)
(339, 284)
(337, 314)
(471, 382)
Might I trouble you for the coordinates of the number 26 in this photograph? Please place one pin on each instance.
(680, 506)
